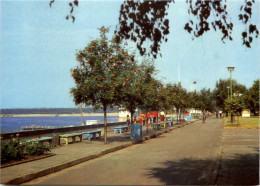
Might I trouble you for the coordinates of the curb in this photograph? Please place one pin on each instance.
(215, 170)
(56, 168)
(26, 161)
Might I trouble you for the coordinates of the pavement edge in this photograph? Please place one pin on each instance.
(44, 172)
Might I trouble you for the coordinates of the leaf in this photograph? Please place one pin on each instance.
(246, 18)
(73, 18)
(76, 2)
(249, 3)
(51, 2)
(248, 10)
(244, 34)
(252, 28)
(247, 44)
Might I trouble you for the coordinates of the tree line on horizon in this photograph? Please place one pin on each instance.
(53, 110)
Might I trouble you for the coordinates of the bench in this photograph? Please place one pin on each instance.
(163, 124)
(169, 122)
(72, 135)
(41, 140)
(93, 133)
(120, 129)
(155, 126)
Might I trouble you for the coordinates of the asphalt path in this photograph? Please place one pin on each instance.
(185, 156)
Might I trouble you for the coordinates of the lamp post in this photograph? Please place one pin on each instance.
(228, 87)
(194, 83)
(230, 69)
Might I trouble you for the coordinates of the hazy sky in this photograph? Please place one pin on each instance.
(38, 49)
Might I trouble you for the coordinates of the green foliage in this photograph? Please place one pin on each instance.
(35, 148)
(11, 150)
(196, 100)
(234, 105)
(105, 69)
(15, 149)
(180, 97)
(252, 97)
(135, 94)
(106, 75)
(206, 99)
(221, 92)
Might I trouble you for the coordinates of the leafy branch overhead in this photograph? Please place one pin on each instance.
(147, 22)
(72, 5)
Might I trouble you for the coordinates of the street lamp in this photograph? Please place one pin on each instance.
(230, 69)
(192, 86)
(228, 87)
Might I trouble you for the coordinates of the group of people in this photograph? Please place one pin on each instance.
(152, 117)
(219, 114)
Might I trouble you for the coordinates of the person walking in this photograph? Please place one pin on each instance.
(204, 116)
(148, 115)
(128, 122)
(154, 113)
(141, 118)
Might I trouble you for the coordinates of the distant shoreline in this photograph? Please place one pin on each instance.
(56, 115)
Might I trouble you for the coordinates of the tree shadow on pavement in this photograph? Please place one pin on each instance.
(183, 172)
(241, 169)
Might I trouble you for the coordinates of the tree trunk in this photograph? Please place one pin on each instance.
(105, 123)
(146, 122)
(131, 122)
(157, 118)
(132, 113)
(177, 116)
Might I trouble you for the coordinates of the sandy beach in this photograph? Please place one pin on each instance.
(56, 115)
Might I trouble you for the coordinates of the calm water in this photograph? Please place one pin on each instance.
(14, 124)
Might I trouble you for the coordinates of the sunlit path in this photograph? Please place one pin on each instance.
(184, 156)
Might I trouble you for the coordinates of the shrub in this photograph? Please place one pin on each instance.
(35, 148)
(11, 150)
(15, 149)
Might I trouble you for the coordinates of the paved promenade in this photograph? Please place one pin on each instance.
(239, 163)
(196, 154)
(72, 154)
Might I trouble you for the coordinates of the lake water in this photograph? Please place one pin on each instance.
(14, 124)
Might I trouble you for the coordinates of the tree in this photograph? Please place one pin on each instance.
(196, 100)
(132, 96)
(149, 92)
(101, 74)
(252, 97)
(148, 20)
(220, 93)
(233, 106)
(206, 100)
(179, 98)
(165, 96)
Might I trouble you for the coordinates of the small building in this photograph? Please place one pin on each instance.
(246, 113)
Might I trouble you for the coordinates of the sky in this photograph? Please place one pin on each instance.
(38, 47)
